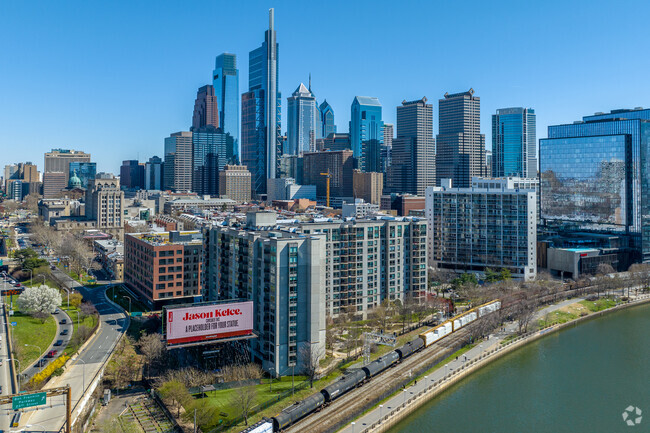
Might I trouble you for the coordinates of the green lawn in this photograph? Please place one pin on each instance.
(599, 305)
(117, 294)
(556, 318)
(31, 331)
(89, 321)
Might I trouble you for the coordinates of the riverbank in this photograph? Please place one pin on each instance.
(390, 415)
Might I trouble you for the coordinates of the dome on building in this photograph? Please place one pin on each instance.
(74, 182)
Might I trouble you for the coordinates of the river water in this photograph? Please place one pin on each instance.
(578, 380)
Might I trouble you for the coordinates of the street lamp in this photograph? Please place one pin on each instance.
(83, 379)
(37, 425)
(405, 392)
(42, 276)
(124, 296)
(31, 277)
(68, 296)
(271, 379)
(446, 369)
(353, 424)
(381, 406)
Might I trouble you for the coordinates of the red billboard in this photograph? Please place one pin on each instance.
(209, 322)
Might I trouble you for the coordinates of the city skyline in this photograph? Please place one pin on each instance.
(124, 67)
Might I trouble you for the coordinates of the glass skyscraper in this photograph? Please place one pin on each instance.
(514, 149)
(366, 133)
(261, 111)
(595, 176)
(84, 170)
(327, 119)
(302, 121)
(226, 88)
(211, 151)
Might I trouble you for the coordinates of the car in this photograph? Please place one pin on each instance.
(58, 343)
(64, 332)
(57, 311)
(63, 321)
(53, 267)
(17, 284)
(42, 362)
(52, 353)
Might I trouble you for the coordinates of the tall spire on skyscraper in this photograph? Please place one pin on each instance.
(310, 82)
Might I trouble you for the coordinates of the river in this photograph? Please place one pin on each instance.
(578, 380)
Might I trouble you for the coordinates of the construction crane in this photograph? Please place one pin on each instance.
(329, 176)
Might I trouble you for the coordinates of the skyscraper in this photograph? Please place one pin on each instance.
(153, 173)
(206, 109)
(86, 171)
(132, 175)
(211, 151)
(58, 161)
(461, 146)
(367, 132)
(302, 121)
(226, 89)
(178, 162)
(514, 149)
(413, 151)
(327, 119)
(261, 110)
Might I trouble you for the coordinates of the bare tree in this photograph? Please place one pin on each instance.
(524, 310)
(30, 203)
(152, 348)
(176, 393)
(87, 309)
(244, 399)
(311, 354)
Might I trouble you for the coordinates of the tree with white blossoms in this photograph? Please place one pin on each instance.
(40, 301)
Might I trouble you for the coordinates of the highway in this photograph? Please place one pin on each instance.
(82, 370)
(5, 373)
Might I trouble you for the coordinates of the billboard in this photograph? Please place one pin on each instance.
(209, 322)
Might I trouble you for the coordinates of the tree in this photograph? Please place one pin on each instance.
(87, 309)
(176, 393)
(311, 354)
(81, 335)
(206, 413)
(115, 424)
(524, 310)
(75, 299)
(30, 203)
(39, 301)
(505, 275)
(492, 276)
(605, 269)
(243, 398)
(152, 348)
(124, 364)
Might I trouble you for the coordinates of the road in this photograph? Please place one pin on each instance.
(84, 368)
(5, 371)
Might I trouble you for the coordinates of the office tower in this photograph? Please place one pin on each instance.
(146, 256)
(593, 179)
(327, 119)
(490, 225)
(291, 166)
(368, 186)
(337, 141)
(387, 149)
(413, 156)
(53, 184)
(153, 173)
(226, 88)
(21, 180)
(85, 171)
(514, 143)
(289, 303)
(488, 163)
(339, 164)
(178, 162)
(206, 109)
(211, 151)
(366, 133)
(261, 110)
(105, 203)
(132, 174)
(461, 146)
(302, 121)
(58, 161)
(235, 183)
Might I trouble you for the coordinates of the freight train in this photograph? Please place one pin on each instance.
(358, 377)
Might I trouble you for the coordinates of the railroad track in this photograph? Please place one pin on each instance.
(351, 404)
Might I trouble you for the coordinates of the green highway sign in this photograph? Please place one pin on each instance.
(29, 400)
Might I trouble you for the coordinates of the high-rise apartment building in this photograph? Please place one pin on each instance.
(206, 108)
(211, 151)
(387, 149)
(281, 272)
(261, 111)
(491, 224)
(367, 133)
(178, 162)
(303, 121)
(368, 186)
(235, 183)
(164, 268)
(514, 143)
(132, 174)
(593, 178)
(21, 180)
(105, 204)
(460, 144)
(339, 164)
(58, 161)
(327, 119)
(226, 88)
(413, 165)
(153, 174)
(53, 184)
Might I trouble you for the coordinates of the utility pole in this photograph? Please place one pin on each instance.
(194, 420)
(329, 176)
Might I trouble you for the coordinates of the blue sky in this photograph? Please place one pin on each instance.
(115, 78)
